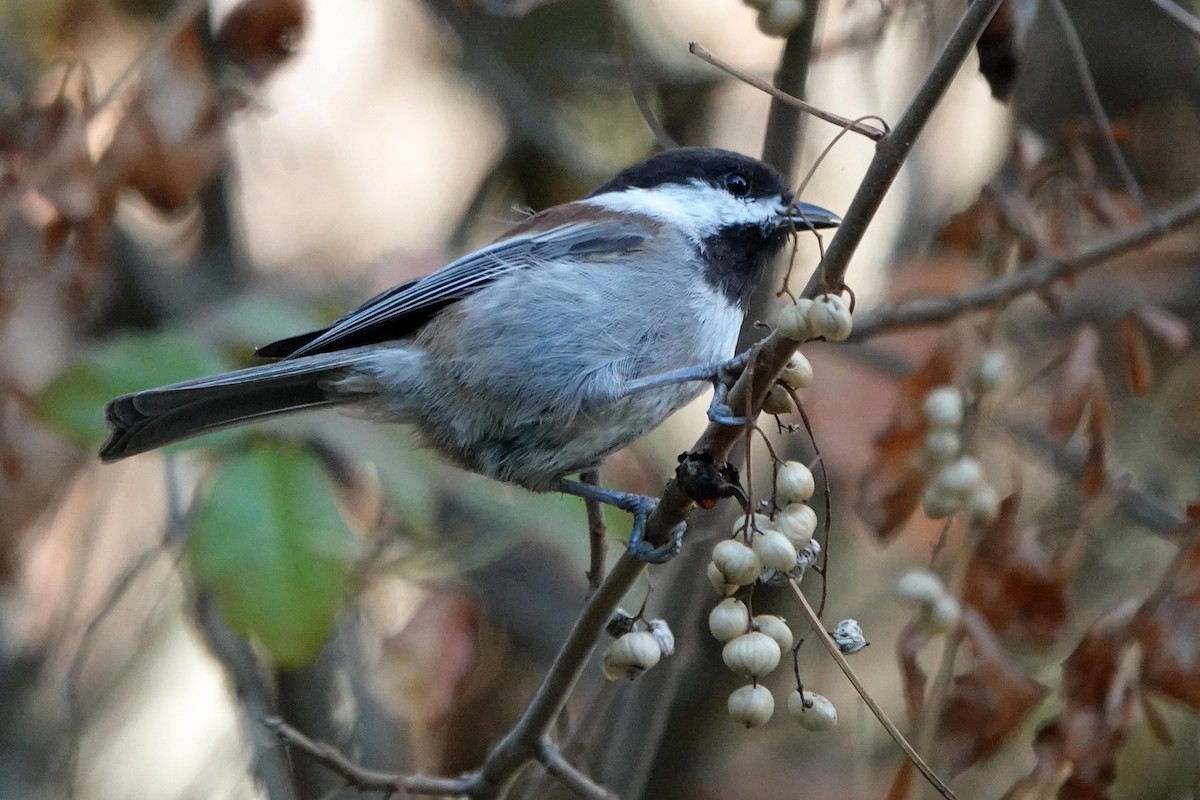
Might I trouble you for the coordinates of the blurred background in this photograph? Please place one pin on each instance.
(181, 182)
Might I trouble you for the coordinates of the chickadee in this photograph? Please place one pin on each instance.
(537, 356)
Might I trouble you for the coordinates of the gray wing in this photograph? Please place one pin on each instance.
(401, 311)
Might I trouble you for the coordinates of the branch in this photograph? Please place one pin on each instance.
(597, 533)
(569, 776)
(1033, 275)
(359, 777)
(811, 615)
(870, 131)
(1088, 83)
(1180, 15)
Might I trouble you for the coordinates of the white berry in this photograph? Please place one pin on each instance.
(781, 17)
(920, 586)
(778, 402)
(751, 705)
(798, 522)
(798, 373)
(813, 711)
(939, 504)
(830, 317)
(728, 620)
(776, 628)
(943, 407)
(737, 562)
(752, 654)
(794, 320)
(959, 478)
(719, 584)
(661, 631)
(941, 445)
(775, 551)
(795, 481)
(987, 372)
(983, 506)
(630, 655)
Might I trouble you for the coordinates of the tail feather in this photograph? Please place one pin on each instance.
(157, 417)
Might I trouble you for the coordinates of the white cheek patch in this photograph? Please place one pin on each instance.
(696, 209)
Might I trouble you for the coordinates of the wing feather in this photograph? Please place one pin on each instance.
(401, 311)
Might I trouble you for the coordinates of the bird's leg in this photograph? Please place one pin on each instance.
(638, 505)
(727, 375)
(722, 374)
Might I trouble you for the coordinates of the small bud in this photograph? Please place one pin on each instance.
(795, 481)
(939, 504)
(983, 506)
(943, 407)
(849, 637)
(793, 320)
(813, 711)
(987, 372)
(737, 562)
(776, 628)
(940, 447)
(798, 522)
(960, 478)
(722, 587)
(920, 586)
(752, 654)
(631, 655)
(775, 551)
(751, 705)
(798, 373)
(831, 318)
(728, 620)
(942, 615)
(661, 631)
(777, 402)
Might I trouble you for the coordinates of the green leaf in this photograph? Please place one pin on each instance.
(271, 546)
(74, 401)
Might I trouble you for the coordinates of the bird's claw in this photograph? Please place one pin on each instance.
(642, 550)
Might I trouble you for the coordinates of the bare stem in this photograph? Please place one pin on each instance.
(1034, 275)
(597, 533)
(811, 615)
(870, 131)
(895, 147)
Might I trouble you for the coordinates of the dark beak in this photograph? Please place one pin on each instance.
(806, 216)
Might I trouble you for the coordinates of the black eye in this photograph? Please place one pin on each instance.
(737, 185)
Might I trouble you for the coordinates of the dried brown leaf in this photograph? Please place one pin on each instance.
(1079, 373)
(1168, 630)
(1099, 424)
(170, 142)
(986, 705)
(1137, 356)
(1168, 328)
(890, 490)
(1018, 587)
(909, 644)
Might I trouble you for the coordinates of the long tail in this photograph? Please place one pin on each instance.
(157, 417)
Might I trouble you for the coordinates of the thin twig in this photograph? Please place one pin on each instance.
(869, 131)
(1180, 15)
(359, 777)
(1088, 84)
(894, 149)
(176, 20)
(597, 533)
(568, 775)
(848, 671)
(1034, 275)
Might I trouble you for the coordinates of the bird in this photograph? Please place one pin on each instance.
(535, 357)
